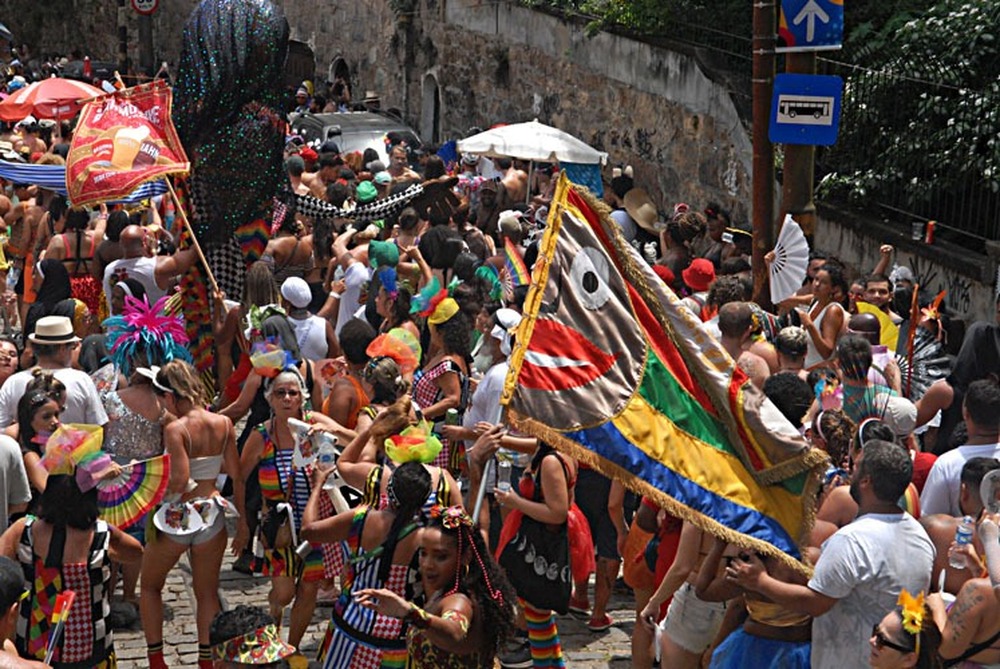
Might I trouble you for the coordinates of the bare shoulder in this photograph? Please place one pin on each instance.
(939, 525)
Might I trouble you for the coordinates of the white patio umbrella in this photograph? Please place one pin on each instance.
(532, 141)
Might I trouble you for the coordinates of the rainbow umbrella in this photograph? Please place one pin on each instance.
(136, 492)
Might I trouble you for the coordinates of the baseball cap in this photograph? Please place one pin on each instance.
(297, 292)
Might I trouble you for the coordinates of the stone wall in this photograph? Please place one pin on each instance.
(480, 64)
(61, 26)
(476, 63)
(500, 62)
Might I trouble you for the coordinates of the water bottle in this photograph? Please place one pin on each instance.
(504, 466)
(326, 455)
(963, 536)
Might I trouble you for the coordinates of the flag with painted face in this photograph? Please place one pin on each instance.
(610, 368)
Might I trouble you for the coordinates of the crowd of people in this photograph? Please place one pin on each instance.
(390, 342)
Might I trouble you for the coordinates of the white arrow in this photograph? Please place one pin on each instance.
(810, 13)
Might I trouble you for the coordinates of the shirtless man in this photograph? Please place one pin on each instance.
(29, 137)
(515, 178)
(736, 326)
(295, 166)
(970, 628)
(941, 527)
(22, 220)
(329, 170)
(399, 166)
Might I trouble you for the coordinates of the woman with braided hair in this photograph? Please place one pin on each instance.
(377, 548)
(466, 612)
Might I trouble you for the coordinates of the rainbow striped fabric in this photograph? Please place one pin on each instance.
(516, 269)
(610, 368)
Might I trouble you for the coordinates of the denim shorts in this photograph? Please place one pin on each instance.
(692, 623)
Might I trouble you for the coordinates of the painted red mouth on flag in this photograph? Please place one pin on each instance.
(559, 357)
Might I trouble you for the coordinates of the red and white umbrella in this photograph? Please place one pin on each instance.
(53, 98)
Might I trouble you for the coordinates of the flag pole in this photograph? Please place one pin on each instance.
(194, 239)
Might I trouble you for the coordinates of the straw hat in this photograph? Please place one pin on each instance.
(640, 207)
(53, 330)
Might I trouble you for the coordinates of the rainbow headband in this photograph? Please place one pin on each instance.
(262, 646)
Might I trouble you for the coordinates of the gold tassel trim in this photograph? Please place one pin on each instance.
(571, 448)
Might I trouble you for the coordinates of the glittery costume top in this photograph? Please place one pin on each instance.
(128, 434)
(425, 655)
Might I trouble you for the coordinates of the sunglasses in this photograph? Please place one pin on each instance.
(881, 641)
(281, 392)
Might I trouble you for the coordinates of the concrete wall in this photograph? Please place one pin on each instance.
(968, 278)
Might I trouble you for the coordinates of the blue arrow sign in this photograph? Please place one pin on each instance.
(811, 25)
(805, 109)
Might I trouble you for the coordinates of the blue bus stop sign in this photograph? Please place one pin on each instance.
(805, 109)
(810, 25)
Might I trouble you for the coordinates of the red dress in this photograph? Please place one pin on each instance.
(581, 544)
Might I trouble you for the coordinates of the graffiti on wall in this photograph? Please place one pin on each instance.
(934, 279)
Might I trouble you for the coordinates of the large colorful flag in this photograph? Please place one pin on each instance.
(611, 369)
(123, 140)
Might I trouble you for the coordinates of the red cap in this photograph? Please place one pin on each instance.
(699, 275)
(665, 273)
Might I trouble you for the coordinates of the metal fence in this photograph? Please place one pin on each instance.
(904, 152)
(902, 161)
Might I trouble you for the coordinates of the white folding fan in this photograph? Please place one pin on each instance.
(791, 258)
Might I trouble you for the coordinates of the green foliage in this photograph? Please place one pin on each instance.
(903, 132)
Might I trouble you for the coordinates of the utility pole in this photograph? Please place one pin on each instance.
(800, 159)
(764, 36)
(145, 45)
(122, 37)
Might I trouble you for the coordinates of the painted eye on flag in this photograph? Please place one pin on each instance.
(589, 278)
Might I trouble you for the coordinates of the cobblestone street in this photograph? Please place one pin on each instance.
(584, 649)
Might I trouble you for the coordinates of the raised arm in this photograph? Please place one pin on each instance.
(751, 575)
(712, 585)
(352, 469)
(448, 631)
(325, 530)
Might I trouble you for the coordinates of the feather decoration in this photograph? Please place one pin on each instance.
(145, 330)
(416, 443)
(398, 344)
(387, 277)
(489, 274)
(425, 302)
(257, 315)
(829, 394)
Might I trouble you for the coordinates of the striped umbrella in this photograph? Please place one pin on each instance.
(54, 98)
(53, 178)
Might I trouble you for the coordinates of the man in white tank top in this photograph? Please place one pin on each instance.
(314, 334)
(154, 272)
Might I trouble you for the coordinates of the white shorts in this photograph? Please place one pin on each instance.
(691, 623)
